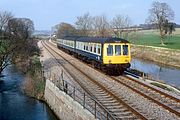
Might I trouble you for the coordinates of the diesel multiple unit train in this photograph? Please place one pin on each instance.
(107, 54)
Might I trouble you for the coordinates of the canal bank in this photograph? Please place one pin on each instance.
(14, 105)
(161, 64)
(157, 72)
(159, 55)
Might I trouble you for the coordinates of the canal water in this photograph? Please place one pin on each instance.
(167, 74)
(16, 106)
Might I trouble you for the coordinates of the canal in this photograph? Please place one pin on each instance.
(159, 72)
(14, 105)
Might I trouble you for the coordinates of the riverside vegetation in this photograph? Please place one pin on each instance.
(34, 83)
(19, 47)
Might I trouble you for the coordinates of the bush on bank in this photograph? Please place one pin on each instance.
(34, 83)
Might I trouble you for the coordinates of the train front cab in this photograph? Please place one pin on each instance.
(117, 55)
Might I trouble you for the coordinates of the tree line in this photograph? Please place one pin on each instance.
(87, 25)
(15, 39)
(160, 16)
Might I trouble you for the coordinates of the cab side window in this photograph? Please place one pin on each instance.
(125, 49)
(110, 50)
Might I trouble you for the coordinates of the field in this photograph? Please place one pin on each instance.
(151, 38)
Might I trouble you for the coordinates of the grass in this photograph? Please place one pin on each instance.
(161, 86)
(151, 38)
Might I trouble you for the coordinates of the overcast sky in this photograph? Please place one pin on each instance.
(47, 13)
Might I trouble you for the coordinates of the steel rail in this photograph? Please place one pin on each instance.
(156, 90)
(148, 97)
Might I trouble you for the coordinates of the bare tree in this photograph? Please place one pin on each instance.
(20, 31)
(159, 14)
(4, 41)
(84, 24)
(65, 29)
(120, 22)
(4, 18)
(20, 28)
(15, 41)
(101, 26)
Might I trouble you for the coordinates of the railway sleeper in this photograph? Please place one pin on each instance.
(112, 104)
(123, 113)
(118, 110)
(125, 117)
(102, 95)
(115, 107)
(108, 101)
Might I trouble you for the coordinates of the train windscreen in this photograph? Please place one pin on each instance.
(117, 50)
(110, 50)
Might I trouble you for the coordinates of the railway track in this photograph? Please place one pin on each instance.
(163, 99)
(112, 103)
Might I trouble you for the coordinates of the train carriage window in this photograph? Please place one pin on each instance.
(94, 48)
(125, 49)
(110, 50)
(72, 44)
(77, 45)
(99, 49)
(117, 50)
(81, 46)
(84, 47)
(91, 48)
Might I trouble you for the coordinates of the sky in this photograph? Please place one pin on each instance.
(47, 13)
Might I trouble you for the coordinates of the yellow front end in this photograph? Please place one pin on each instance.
(116, 53)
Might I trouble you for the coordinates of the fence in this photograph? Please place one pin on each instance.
(88, 102)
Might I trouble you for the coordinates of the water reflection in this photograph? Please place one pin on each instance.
(16, 106)
(167, 74)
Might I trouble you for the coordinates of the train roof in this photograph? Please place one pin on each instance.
(96, 39)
